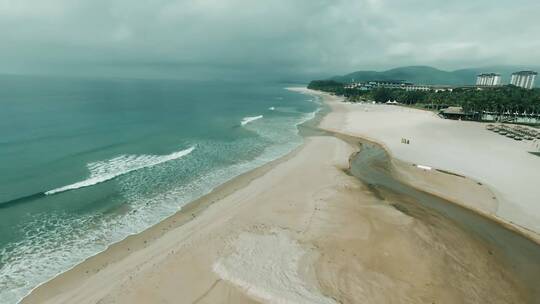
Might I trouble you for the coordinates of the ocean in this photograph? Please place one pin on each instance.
(86, 162)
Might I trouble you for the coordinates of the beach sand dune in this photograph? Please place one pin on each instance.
(298, 230)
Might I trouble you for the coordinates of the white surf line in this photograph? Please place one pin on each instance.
(249, 119)
(106, 170)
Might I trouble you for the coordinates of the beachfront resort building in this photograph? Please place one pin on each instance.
(417, 87)
(488, 79)
(396, 84)
(376, 84)
(524, 79)
(388, 84)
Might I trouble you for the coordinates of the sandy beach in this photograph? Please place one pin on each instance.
(301, 229)
(493, 162)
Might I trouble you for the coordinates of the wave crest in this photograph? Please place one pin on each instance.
(249, 119)
(102, 171)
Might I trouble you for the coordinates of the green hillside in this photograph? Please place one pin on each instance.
(430, 75)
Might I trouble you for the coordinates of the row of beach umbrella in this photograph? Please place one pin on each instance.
(515, 132)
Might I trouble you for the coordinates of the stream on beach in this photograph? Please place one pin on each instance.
(514, 251)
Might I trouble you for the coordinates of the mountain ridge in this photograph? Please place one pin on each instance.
(430, 75)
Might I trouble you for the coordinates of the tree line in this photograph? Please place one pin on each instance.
(497, 99)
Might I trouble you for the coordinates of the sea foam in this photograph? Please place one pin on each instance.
(249, 119)
(56, 241)
(102, 171)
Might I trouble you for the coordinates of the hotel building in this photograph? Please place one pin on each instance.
(489, 79)
(523, 79)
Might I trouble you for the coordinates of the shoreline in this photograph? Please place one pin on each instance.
(401, 167)
(186, 213)
(135, 243)
(522, 231)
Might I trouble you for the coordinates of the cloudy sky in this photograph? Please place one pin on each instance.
(289, 36)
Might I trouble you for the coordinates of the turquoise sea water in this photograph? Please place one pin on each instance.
(86, 162)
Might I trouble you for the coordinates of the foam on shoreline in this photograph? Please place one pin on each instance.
(290, 210)
(146, 212)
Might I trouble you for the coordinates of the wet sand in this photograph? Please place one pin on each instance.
(302, 229)
(502, 165)
(514, 249)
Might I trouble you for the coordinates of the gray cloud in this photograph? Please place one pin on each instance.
(303, 36)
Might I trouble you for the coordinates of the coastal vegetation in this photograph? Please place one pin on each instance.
(498, 99)
(430, 75)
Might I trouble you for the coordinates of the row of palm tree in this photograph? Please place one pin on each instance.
(501, 102)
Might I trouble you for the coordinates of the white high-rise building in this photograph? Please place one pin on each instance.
(489, 79)
(524, 79)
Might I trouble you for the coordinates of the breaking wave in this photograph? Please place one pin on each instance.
(249, 119)
(102, 171)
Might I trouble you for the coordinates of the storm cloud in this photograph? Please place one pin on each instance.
(302, 37)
